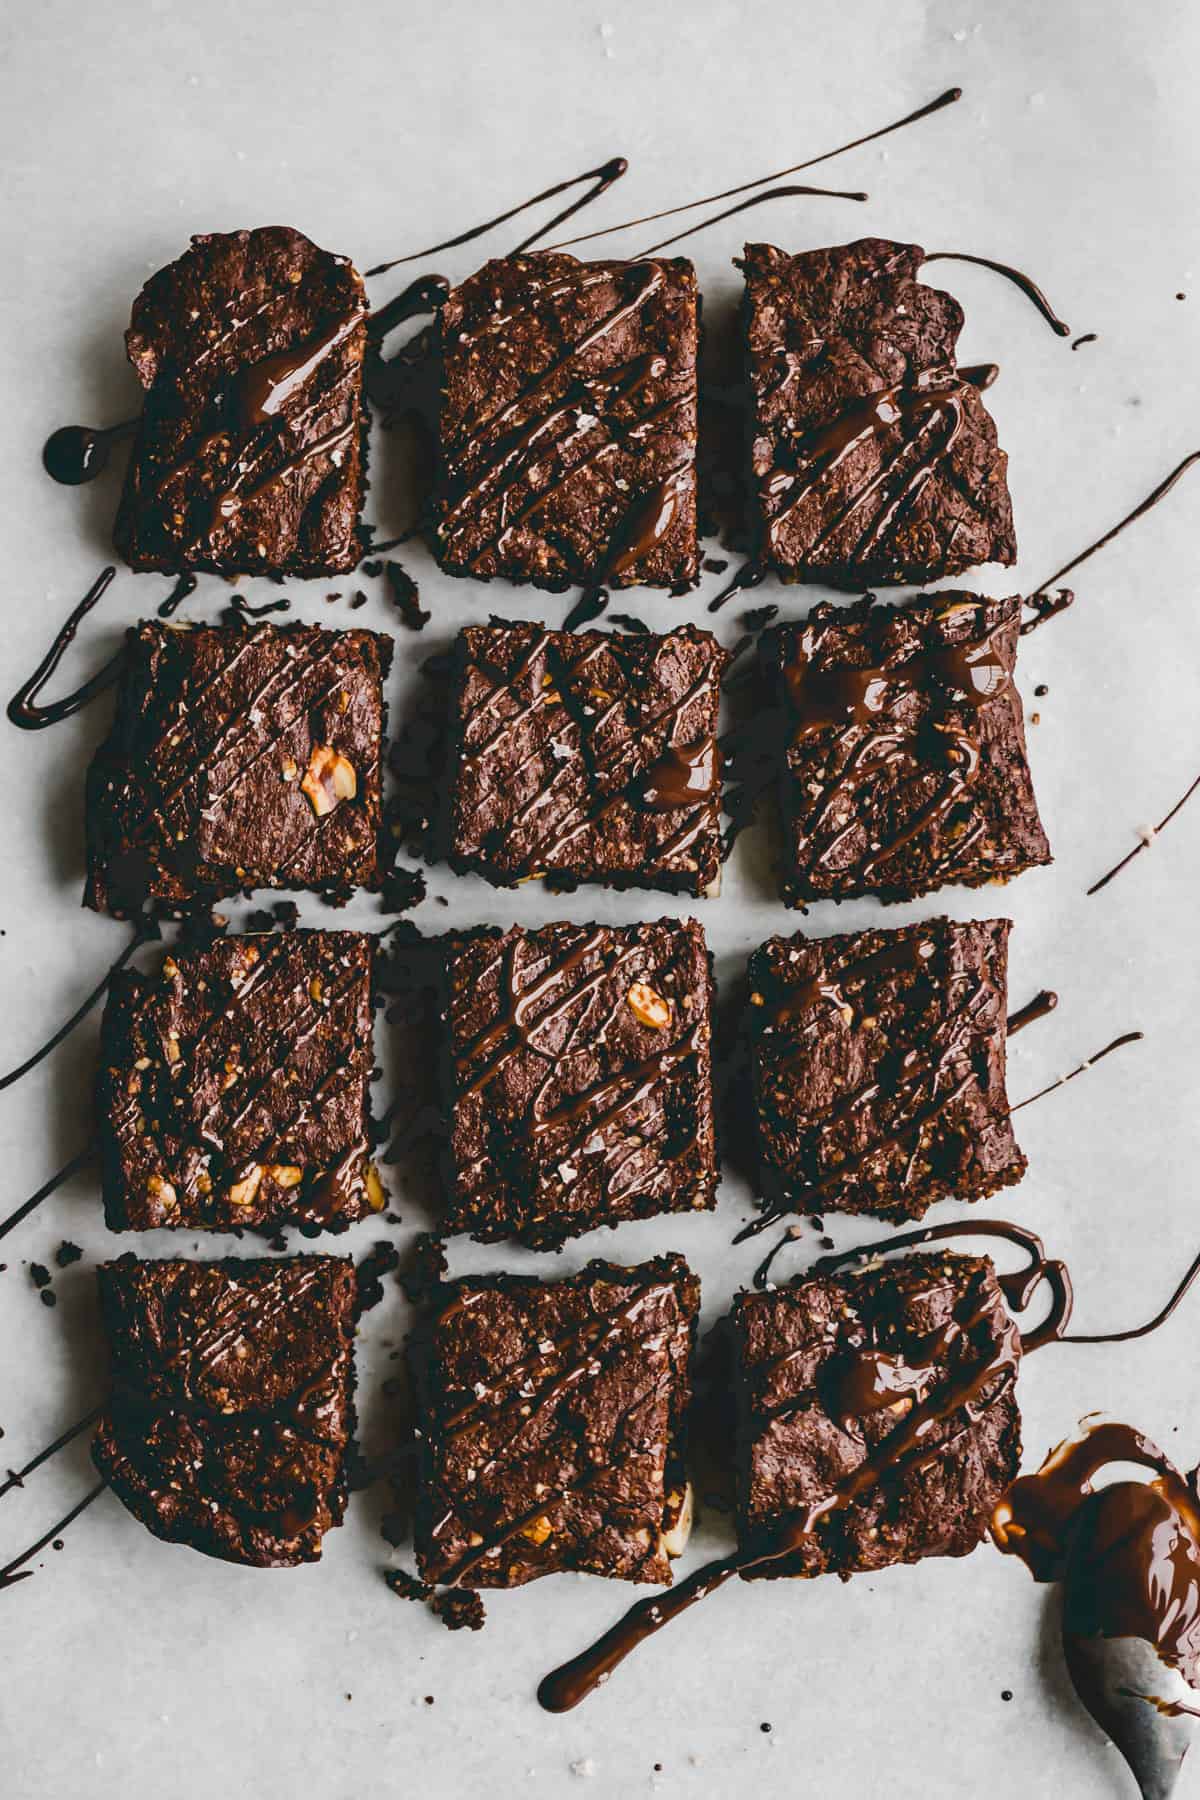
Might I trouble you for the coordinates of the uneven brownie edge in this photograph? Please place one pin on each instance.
(224, 768)
(819, 1363)
(878, 1061)
(250, 457)
(552, 1418)
(569, 423)
(587, 754)
(902, 757)
(578, 1071)
(232, 1401)
(872, 459)
(234, 1087)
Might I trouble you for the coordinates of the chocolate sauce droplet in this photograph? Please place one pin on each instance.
(78, 453)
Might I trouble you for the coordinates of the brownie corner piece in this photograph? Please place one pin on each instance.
(552, 1418)
(234, 1087)
(879, 1404)
(902, 756)
(589, 755)
(232, 1401)
(873, 458)
(239, 759)
(250, 454)
(579, 1079)
(878, 1064)
(569, 421)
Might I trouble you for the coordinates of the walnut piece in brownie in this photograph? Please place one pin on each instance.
(902, 754)
(568, 423)
(829, 1367)
(551, 1425)
(878, 1066)
(250, 454)
(873, 458)
(234, 1086)
(239, 758)
(232, 1401)
(580, 1079)
(587, 755)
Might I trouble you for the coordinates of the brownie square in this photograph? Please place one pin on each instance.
(878, 1063)
(568, 423)
(239, 759)
(232, 1401)
(902, 755)
(873, 458)
(580, 1079)
(234, 1086)
(250, 455)
(829, 1367)
(551, 1422)
(587, 755)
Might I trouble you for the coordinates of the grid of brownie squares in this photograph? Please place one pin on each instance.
(232, 1401)
(901, 748)
(580, 1079)
(587, 755)
(551, 1418)
(239, 759)
(250, 454)
(829, 1367)
(878, 1068)
(234, 1086)
(873, 458)
(568, 423)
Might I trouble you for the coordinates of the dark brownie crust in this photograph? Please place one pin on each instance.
(872, 459)
(589, 755)
(580, 1079)
(551, 1424)
(903, 760)
(234, 1086)
(830, 1365)
(250, 455)
(878, 1065)
(232, 1401)
(568, 425)
(239, 759)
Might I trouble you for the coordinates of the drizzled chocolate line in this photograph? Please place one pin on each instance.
(16, 1477)
(15, 1571)
(147, 930)
(1019, 279)
(922, 112)
(1038, 1008)
(1126, 1037)
(750, 575)
(24, 710)
(78, 453)
(47, 1188)
(1146, 840)
(185, 586)
(778, 193)
(602, 178)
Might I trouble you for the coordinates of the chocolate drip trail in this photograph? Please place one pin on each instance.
(1146, 839)
(78, 453)
(1046, 603)
(16, 1477)
(750, 575)
(145, 932)
(1034, 1009)
(922, 112)
(15, 1571)
(602, 178)
(1019, 279)
(47, 1188)
(183, 589)
(775, 193)
(24, 710)
(1126, 1037)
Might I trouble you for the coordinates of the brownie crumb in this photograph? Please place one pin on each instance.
(759, 616)
(405, 596)
(48, 1297)
(629, 622)
(39, 1275)
(379, 1261)
(402, 889)
(67, 1253)
(1006, 1694)
(459, 1609)
(427, 1264)
(374, 567)
(716, 565)
(407, 1586)
(357, 599)
(765, 1726)
(1041, 690)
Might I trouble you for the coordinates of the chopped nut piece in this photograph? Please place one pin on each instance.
(375, 1188)
(284, 1175)
(538, 1530)
(242, 1192)
(329, 779)
(677, 1520)
(161, 1191)
(648, 1007)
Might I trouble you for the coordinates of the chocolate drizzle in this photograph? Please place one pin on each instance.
(1118, 1043)
(1019, 279)
(16, 1571)
(184, 587)
(1145, 839)
(1037, 1008)
(775, 193)
(84, 1157)
(78, 453)
(16, 1477)
(24, 710)
(750, 575)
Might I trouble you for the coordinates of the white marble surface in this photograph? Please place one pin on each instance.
(135, 1669)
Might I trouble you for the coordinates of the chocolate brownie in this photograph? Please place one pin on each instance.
(882, 1404)
(580, 1079)
(878, 1063)
(873, 458)
(234, 1086)
(551, 1425)
(250, 454)
(902, 748)
(588, 755)
(232, 1401)
(239, 758)
(568, 423)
